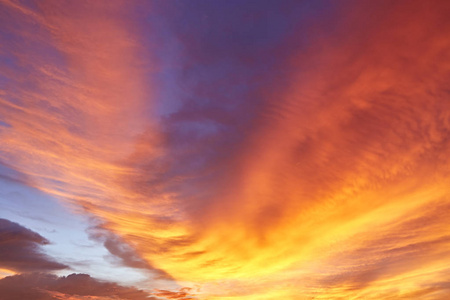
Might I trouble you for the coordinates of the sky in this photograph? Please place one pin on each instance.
(224, 150)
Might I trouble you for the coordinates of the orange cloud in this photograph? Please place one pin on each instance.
(334, 187)
(183, 294)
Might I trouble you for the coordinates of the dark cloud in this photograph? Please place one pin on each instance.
(20, 249)
(39, 286)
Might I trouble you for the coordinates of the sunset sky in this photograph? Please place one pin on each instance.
(224, 149)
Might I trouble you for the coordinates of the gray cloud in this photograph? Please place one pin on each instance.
(20, 249)
(41, 286)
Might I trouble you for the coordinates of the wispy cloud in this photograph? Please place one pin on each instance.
(123, 252)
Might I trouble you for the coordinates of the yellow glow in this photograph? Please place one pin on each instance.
(6, 272)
